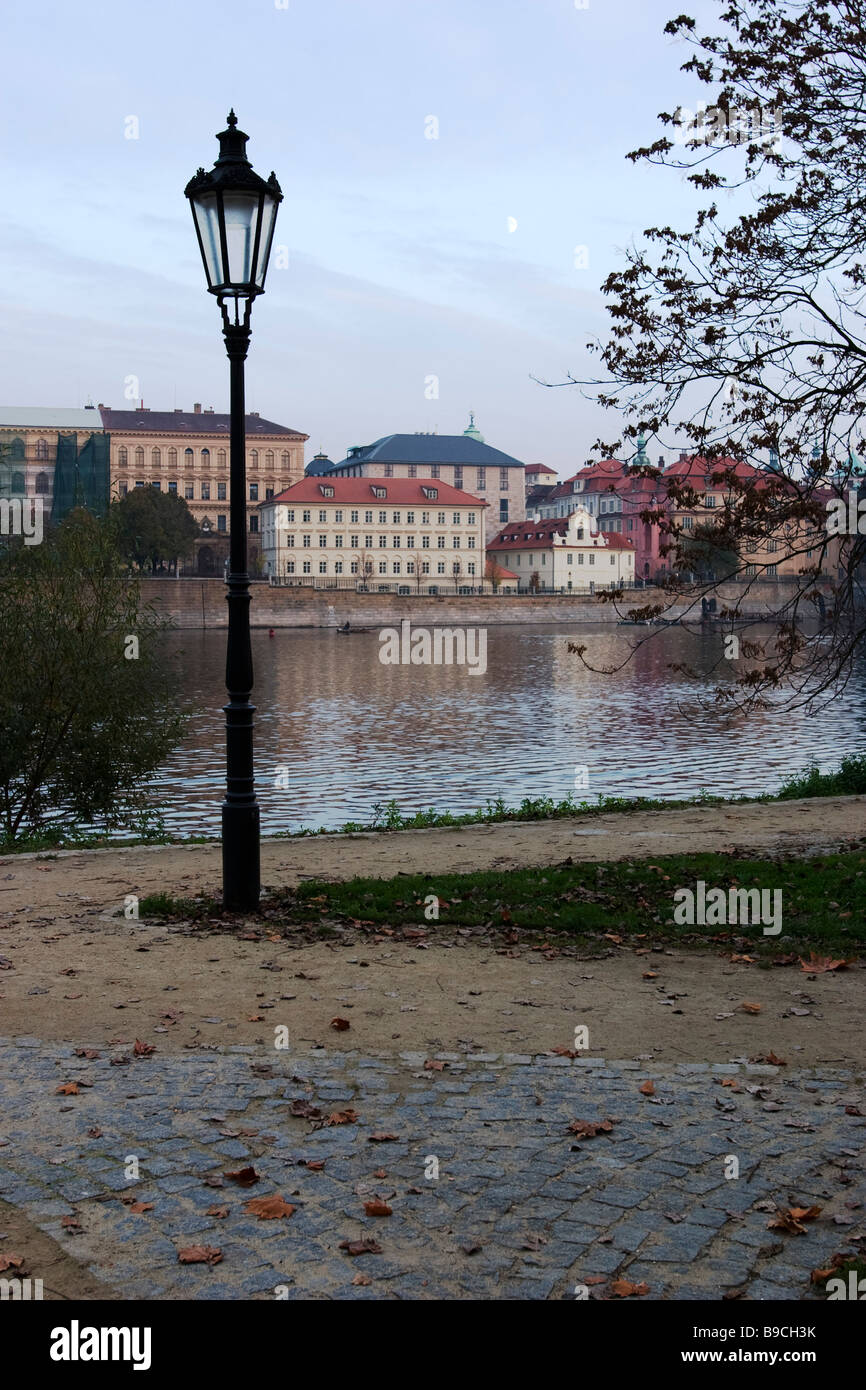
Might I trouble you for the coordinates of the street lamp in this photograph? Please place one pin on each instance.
(234, 211)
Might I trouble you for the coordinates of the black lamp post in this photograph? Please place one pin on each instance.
(234, 211)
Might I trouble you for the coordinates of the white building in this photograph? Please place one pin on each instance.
(404, 535)
(565, 553)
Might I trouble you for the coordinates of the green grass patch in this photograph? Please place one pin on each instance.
(823, 899)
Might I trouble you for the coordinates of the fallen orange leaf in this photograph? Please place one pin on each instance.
(269, 1208)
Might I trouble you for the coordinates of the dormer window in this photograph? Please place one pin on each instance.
(431, 492)
(380, 492)
(326, 490)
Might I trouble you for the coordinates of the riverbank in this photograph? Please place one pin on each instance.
(201, 603)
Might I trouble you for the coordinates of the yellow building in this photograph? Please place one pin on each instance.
(187, 453)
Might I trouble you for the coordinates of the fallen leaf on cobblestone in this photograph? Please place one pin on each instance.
(743, 960)
(377, 1207)
(11, 1262)
(361, 1247)
(343, 1117)
(340, 1025)
(791, 1220)
(200, 1255)
(732, 1082)
(269, 1208)
(751, 1008)
(315, 1165)
(244, 1177)
(360, 1278)
(650, 975)
(853, 1110)
(621, 1288)
(305, 1110)
(595, 1279)
(561, 1052)
(647, 1089)
(94, 1133)
(431, 1065)
(256, 1018)
(143, 1049)
(137, 1208)
(70, 1223)
(382, 1137)
(89, 1052)
(219, 1212)
(69, 1088)
(588, 1129)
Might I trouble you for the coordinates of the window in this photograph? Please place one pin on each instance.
(630, 524)
(383, 541)
(380, 492)
(395, 542)
(592, 559)
(503, 509)
(354, 567)
(139, 458)
(188, 457)
(749, 571)
(254, 458)
(455, 542)
(338, 542)
(413, 471)
(290, 540)
(395, 568)
(290, 567)
(269, 461)
(254, 523)
(570, 558)
(323, 541)
(471, 519)
(306, 514)
(121, 456)
(221, 492)
(440, 518)
(155, 483)
(470, 542)
(710, 500)
(290, 514)
(221, 457)
(188, 491)
(772, 571)
(471, 567)
(368, 542)
(338, 567)
(580, 559)
(458, 478)
(440, 568)
(354, 542)
(410, 518)
(383, 566)
(772, 547)
(323, 515)
(155, 458)
(221, 522)
(425, 542)
(306, 567)
(482, 478)
(172, 487)
(323, 567)
(425, 518)
(434, 470)
(389, 470)
(410, 566)
(431, 492)
(410, 542)
(613, 559)
(440, 542)
(503, 480)
(338, 514)
(395, 518)
(306, 542)
(269, 492)
(425, 567)
(368, 516)
(254, 492)
(353, 516)
(284, 459)
(205, 492)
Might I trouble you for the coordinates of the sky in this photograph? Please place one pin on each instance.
(413, 278)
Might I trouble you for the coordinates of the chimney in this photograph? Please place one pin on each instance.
(178, 410)
(209, 410)
(197, 408)
(254, 414)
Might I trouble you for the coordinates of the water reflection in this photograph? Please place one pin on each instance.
(351, 731)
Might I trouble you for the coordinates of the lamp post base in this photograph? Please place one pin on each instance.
(241, 866)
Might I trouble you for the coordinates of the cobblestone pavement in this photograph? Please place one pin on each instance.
(522, 1207)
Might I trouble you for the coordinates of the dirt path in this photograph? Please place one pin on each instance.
(105, 877)
(77, 970)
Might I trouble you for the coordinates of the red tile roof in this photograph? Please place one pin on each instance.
(539, 468)
(540, 535)
(402, 492)
(493, 570)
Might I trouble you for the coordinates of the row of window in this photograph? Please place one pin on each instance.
(516, 559)
(220, 455)
(382, 567)
(457, 518)
(18, 484)
(433, 470)
(189, 490)
(326, 542)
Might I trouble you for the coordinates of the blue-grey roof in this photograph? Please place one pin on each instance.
(318, 465)
(432, 448)
(42, 417)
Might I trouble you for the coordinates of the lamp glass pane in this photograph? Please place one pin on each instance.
(240, 213)
(204, 210)
(269, 219)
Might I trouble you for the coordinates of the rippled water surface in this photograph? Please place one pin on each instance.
(351, 732)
